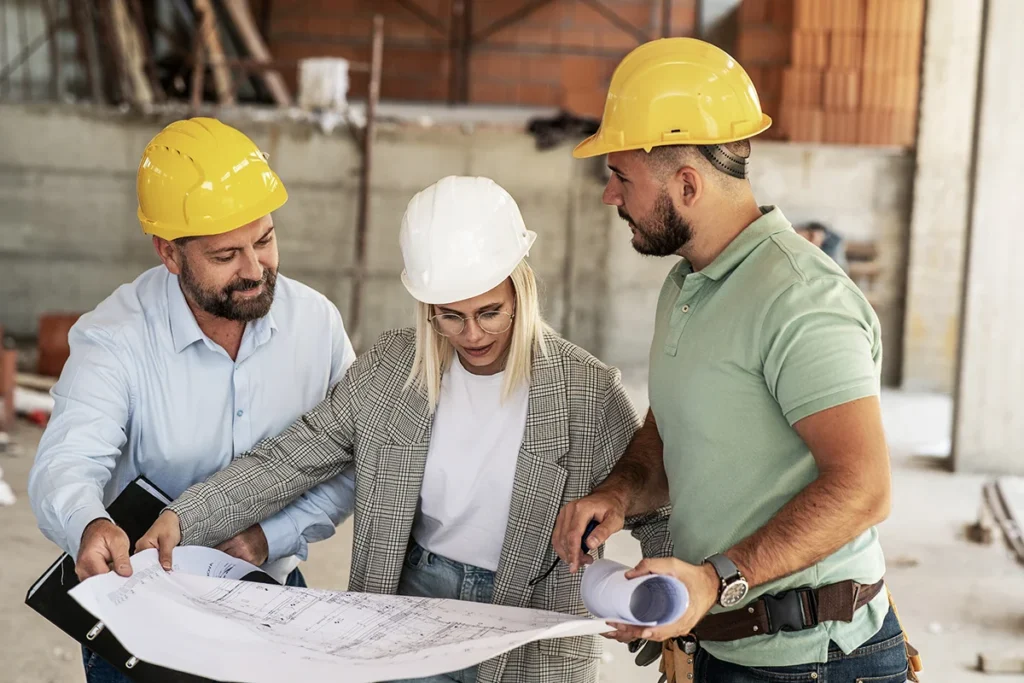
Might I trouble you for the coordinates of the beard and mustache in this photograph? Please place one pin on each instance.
(222, 304)
(665, 232)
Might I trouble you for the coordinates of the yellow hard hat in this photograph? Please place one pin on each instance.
(676, 91)
(202, 177)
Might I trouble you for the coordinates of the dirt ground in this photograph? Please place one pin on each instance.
(956, 599)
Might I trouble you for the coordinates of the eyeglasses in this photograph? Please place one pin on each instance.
(453, 324)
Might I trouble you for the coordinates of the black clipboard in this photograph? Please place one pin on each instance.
(134, 510)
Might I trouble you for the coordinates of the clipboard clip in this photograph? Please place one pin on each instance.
(96, 630)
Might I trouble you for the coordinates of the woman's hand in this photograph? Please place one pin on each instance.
(164, 535)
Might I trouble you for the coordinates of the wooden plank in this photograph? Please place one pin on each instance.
(129, 45)
(1011, 493)
(246, 26)
(207, 21)
(1004, 518)
(81, 15)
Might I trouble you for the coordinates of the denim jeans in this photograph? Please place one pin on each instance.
(97, 670)
(882, 659)
(428, 575)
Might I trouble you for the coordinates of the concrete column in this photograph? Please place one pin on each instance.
(988, 432)
(938, 225)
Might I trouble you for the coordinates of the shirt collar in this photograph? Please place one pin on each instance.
(185, 330)
(770, 223)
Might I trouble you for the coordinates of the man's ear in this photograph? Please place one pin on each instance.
(169, 254)
(689, 186)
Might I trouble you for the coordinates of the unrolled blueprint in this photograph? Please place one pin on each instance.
(225, 629)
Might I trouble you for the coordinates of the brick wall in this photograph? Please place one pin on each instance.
(560, 55)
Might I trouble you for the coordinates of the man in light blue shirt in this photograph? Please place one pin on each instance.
(188, 367)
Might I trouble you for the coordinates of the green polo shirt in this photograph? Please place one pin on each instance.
(770, 332)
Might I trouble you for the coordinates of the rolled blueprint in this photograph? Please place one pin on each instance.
(651, 600)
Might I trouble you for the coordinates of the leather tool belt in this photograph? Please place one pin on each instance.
(793, 610)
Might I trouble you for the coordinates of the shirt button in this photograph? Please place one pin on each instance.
(239, 413)
(686, 308)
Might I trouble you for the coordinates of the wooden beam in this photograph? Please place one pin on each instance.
(86, 48)
(23, 35)
(132, 58)
(198, 74)
(207, 21)
(147, 51)
(51, 29)
(363, 220)
(246, 26)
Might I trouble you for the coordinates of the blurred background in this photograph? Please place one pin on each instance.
(896, 148)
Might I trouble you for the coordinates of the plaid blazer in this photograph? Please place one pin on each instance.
(579, 421)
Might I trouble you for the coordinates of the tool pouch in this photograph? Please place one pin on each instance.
(914, 664)
(677, 660)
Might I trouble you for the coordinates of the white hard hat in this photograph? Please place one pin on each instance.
(461, 237)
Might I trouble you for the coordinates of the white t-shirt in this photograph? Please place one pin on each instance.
(471, 465)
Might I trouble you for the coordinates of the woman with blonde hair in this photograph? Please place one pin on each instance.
(468, 434)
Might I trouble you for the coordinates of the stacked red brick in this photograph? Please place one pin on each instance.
(841, 71)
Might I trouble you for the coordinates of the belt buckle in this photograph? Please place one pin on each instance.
(786, 610)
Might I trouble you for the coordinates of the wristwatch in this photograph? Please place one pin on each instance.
(734, 587)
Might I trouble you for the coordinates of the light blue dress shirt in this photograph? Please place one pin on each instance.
(146, 392)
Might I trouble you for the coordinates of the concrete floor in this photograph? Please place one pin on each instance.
(956, 599)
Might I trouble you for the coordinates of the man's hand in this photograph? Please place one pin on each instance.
(701, 583)
(164, 535)
(250, 545)
(607, 508)
(103, 544)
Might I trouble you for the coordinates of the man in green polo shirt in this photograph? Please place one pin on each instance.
(765, 430)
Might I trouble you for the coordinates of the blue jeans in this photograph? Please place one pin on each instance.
(427, 575)
(97, 670)
(882, 659)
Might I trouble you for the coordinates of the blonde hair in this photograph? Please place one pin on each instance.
(434, 353)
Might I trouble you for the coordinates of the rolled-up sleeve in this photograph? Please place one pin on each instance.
(81, 443)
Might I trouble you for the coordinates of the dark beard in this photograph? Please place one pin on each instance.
(664, 233)
(222, 304)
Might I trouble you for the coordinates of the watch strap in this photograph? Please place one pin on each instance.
(724, 567)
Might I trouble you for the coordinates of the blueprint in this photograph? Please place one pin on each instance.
(231, 630)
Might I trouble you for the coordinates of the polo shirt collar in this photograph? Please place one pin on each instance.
(770, 223)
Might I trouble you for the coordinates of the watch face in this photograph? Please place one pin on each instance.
(734, 593)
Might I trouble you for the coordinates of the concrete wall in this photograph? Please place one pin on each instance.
(941, 187)
(989, 424)
(68, 234)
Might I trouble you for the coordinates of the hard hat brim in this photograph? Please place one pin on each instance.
(596, 145)
(469, 291)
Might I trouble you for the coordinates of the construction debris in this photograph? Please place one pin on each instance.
(1000, 664)
(1005, 498)
(983, 530)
